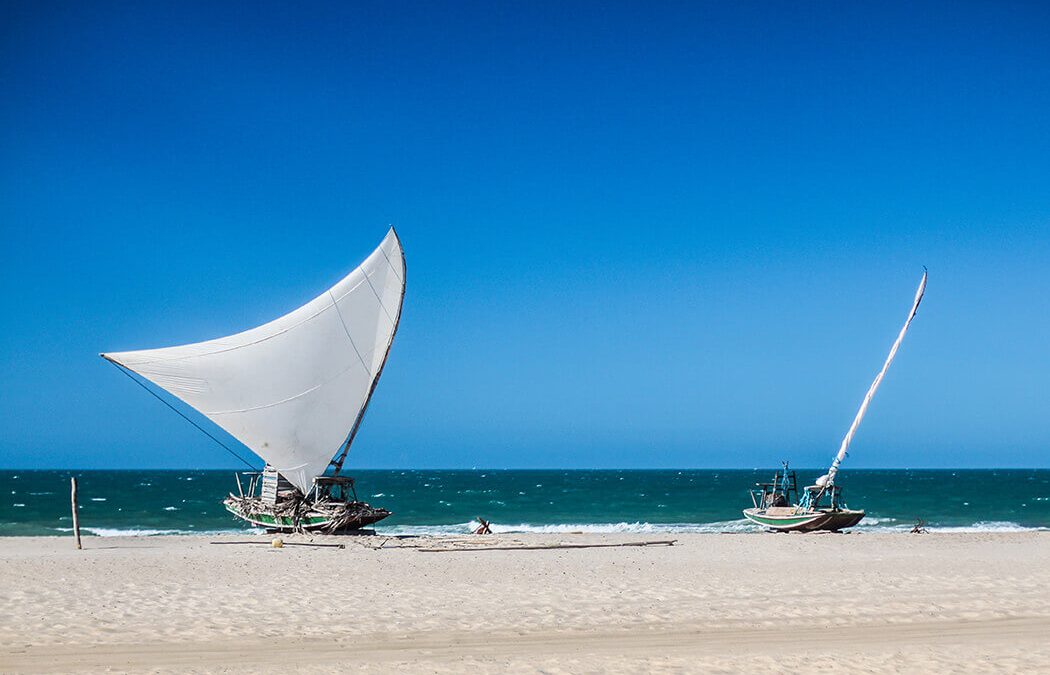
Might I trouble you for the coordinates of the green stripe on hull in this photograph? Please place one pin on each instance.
(782, 522)
(278, 521)
(788, 522)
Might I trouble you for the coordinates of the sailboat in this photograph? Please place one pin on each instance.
(777, 504)
(294, 391)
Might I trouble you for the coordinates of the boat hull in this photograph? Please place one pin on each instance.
(787, 519)
(308, 521)
(842, 518)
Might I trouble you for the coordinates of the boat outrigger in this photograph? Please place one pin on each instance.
(294, 392)
(778, 506)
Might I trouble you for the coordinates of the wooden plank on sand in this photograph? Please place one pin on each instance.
(537, 547)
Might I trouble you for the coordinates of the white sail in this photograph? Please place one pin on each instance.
(829, 478)
(293, 389)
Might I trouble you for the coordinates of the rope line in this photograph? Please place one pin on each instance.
(182, 415)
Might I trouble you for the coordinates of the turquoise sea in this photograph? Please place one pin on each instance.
(178, 501)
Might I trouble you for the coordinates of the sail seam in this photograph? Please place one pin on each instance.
(236, 347)
(348, 336)
(381, 305)
(337, 461)
(285, 400)
(392, 268)
(282, 331)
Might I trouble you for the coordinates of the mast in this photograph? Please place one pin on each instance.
(828, 479)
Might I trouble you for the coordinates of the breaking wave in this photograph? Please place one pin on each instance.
(993, 526)
(722, 527)
(147, 532)
(572, 528)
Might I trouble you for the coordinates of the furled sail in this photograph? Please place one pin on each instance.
(293, 389)
(829, 478)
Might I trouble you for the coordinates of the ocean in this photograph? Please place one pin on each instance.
(433, 502)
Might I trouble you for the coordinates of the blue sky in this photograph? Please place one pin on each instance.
(638, 235)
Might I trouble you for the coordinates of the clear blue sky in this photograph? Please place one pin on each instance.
(638, 235)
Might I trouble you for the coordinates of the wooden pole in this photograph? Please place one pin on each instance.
(76, 520)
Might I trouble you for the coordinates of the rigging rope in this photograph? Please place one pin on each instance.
(181, 414)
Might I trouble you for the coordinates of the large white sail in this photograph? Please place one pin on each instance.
(829, 478)
(293, 389)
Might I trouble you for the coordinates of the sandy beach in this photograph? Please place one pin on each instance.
(713, 603)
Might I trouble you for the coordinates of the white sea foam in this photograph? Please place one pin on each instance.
(118, 532)
(872, 521)
(893, 525)
(568, 528)
(989, 526)
(872, 524)
(146, 532)
(729, 526)
(427, 530)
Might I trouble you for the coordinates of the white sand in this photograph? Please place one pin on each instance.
(712, 603)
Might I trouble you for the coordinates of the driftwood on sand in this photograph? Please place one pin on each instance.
(536, 547)
(448, 544)
(283, 543)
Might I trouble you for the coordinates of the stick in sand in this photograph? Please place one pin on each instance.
(76, 521)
